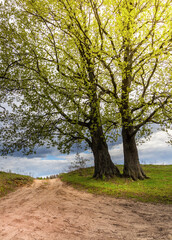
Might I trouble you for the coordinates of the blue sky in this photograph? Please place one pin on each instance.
(51, 161)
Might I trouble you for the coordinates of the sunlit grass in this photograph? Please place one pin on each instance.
(157, 189)
(11, 181)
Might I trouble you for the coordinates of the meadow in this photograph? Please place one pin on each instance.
(156, 189)
(9, 182)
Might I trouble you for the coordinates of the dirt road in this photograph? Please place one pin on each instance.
(51, 210)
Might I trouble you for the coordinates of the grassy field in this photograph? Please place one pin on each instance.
(157, 189)
(11, 181)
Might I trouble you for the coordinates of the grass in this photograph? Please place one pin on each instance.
(11, 181)
(157, 189)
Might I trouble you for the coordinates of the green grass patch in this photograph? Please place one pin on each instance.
(11, 181)
(157, 189)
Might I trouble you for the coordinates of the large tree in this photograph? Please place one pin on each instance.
(47, 58)
(136, 57)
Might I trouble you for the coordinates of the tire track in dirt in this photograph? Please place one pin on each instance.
(50, 209)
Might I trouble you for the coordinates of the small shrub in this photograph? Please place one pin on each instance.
(78, 164)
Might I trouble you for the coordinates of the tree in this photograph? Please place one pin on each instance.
(136, 46)
(109, 70)
(55, 83)
(78, 164)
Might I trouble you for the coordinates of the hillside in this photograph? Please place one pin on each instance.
(11, 181)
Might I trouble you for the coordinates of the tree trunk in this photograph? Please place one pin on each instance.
(102, 160)
(103, 165)
(132, 167)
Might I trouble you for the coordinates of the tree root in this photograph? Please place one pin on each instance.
(135, 174)
(108, 173)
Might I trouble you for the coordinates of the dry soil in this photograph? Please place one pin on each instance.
(52, 210)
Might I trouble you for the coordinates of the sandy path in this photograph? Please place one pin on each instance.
(51, 210)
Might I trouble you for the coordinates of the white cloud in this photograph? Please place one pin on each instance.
(48, 162)
(33, 166)
(155, 151)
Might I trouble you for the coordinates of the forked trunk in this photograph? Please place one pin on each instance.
(102, 160)
(132, 167)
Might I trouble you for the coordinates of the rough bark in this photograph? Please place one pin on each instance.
(102, 160)
(132, 168)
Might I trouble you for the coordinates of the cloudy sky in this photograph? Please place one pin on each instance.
(50, 161)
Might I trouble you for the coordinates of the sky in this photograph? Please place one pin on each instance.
(50, 161)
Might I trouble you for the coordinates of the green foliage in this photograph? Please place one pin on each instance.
(78, 65)
(11, 181)
(157, 189)
(55, 83)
